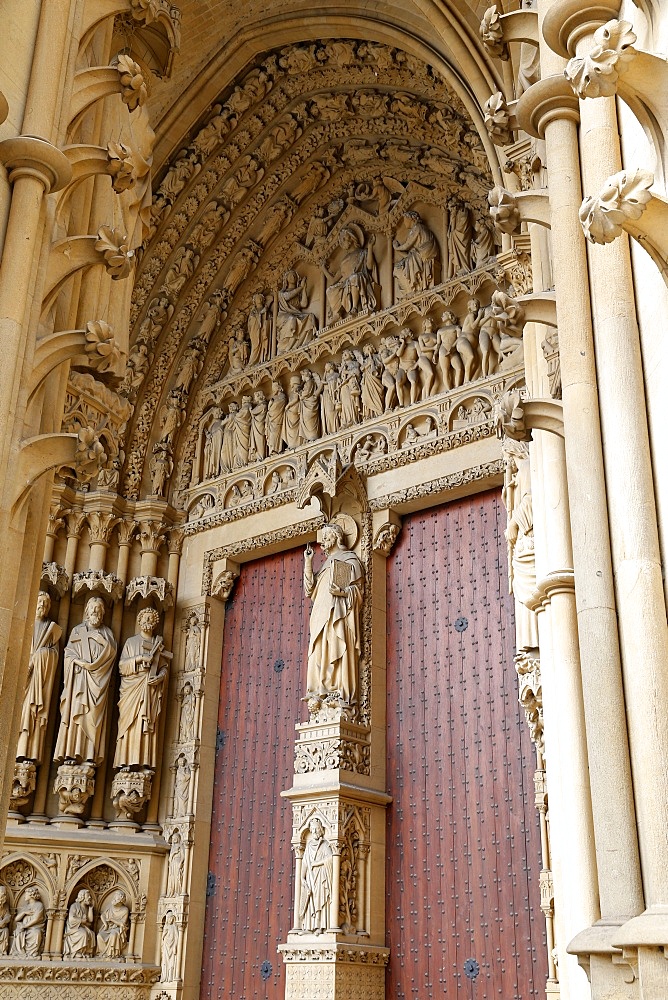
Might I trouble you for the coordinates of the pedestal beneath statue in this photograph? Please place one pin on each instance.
(334, 972)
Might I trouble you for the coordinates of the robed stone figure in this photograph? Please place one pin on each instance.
(334, 646)
(317, 873)
(88, 661)
(143, 670)
(41, 671)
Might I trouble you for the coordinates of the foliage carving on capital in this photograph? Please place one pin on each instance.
(101, 347)
(89, 456)
(121, 167)
(596, 74)
(509, 417)
(497, 120)
(133, 87)
(504, 210)
(491, 33)
(623, 199)
(100, 527)
(115, 248)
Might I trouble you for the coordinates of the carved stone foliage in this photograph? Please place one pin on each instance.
(596, 74)
(279, 140)
(622, 199)
(531, 695)
(91, 404)
(318, 750)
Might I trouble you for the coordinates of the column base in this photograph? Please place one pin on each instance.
(609, 974)
(331, 971)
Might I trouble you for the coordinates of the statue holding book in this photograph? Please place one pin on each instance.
(334, 646)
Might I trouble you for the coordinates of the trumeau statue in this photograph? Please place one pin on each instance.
(41, 671)
(316, 887)
(353, 289)
(335, 643)
(88, 662)
(79, 938)
(29, 925)
(415, 271)
(112, 935)
(143, 670)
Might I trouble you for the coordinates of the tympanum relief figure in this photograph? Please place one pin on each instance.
(415, 270)
(143, 669)
(353, 288)
(29, 926)
(41, 671)
(335, 641)
(460, 234)
(88, 662)
(317, 874)
(295, 325)
(79, 938)
(260, 328)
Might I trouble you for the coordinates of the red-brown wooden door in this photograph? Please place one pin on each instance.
(249, 911)
(462, 837)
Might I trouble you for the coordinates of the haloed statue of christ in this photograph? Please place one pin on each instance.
(334, 646)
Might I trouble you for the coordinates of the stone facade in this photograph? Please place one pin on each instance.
(285, 288)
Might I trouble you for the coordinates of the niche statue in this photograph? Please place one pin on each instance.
(143, 670)
(334, 647)
(88, 660)
(316, 888)
(41, 671)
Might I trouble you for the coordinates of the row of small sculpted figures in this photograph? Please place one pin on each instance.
(365, 384)
(23, 937)
(88, 658)
(352, 290)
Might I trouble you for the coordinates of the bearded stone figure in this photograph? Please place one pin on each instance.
(29, 925)
(88, 662)
(79, 938)
(143, 670)
(316, 888)
(41, 671)
(415, 271)
(335, 644)
(113, 933)
(353, 289)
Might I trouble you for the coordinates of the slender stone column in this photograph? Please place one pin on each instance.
(550, 110)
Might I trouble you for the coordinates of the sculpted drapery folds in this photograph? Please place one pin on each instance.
(518, 502)
(415, 271)
(143, 670)
(295, 326)
(316, 888)
(334, 647)
(41, 671)
(5, 920)
(79, 939)
(112, 935)
(353, 289)
(29, 925)
(88, 662)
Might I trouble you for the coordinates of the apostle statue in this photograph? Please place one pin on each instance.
(316, 887)
(415, 271)
(29, 926)
(89, 658)
(335, 644)
(41, 671)
(112, 935)
(143, 670)
(79, 939)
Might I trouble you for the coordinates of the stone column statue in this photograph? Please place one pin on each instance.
(170, 949)
(29, 925)
(113, 933)
(79, 939)
(143, 670)
(89, 658)
(41, 671)
(522, 560)
(335, 643)
(316, 888)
